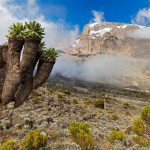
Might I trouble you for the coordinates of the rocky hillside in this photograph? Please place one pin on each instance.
(62, 113)
(109, 37)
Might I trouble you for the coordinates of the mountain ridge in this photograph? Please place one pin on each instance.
(108, 37)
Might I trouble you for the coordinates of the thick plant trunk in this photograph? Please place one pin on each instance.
(12, 78)
(30, 52)
(24, 89)
(3, 50)
(28, 63)
(43, 71)
(26, 85)
(1, 71)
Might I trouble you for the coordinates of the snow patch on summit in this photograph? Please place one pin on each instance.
(92, 25)
(100, 32)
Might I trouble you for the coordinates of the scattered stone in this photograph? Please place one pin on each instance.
(66, 146)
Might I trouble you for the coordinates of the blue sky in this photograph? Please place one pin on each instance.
(64, 19)
(80, 11)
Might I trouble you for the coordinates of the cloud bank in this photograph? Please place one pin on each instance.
(113, 68)
(140, 33)
(58, 34)
(142, 17)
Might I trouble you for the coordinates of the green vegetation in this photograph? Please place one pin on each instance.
(49, 54)
(60, 95)
(114, 117)
(33, 29)
(87, 101)
(54, 136)
(62, 98)
(75, 101)
(99, 103)
(138, 126)
(35, 100)
(116, 136)
(16, 30)
(34, 140)
(145, 114)
(126, 105)
(127, 113)
(9, 145)
(67, 91)
(141, 141)
(29, 37)
(50, 90)
(80, 133)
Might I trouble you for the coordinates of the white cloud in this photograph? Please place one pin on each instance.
(56, 32)
(32, 8)
(142, 17)
(113, 68)
(98, 16)
(140, 33)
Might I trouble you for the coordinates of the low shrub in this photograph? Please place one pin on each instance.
(138, 126)
(50, 90)
(116, 136)
(141, 141)
(35, 101)
(67, 92)
(34, 140)
(127, 113)
(9, 145)
(114, 117)
(80, 133)
(145, 114)
(60, 96)
(126, 105)
(75, 101)
(99, 103)
(54, 136)
(87, 101)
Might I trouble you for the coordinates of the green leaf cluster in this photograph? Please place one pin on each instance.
(49, 54)
(16, 30)
(33, 29)
(30, 29)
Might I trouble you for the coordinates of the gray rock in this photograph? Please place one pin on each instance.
(67, 146)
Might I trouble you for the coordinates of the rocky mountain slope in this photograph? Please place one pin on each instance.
(107, 37)
(52, 110)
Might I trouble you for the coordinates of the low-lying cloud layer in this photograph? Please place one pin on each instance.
(143, 33)
(115, 68)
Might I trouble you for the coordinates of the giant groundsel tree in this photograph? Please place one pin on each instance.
(18, 59)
